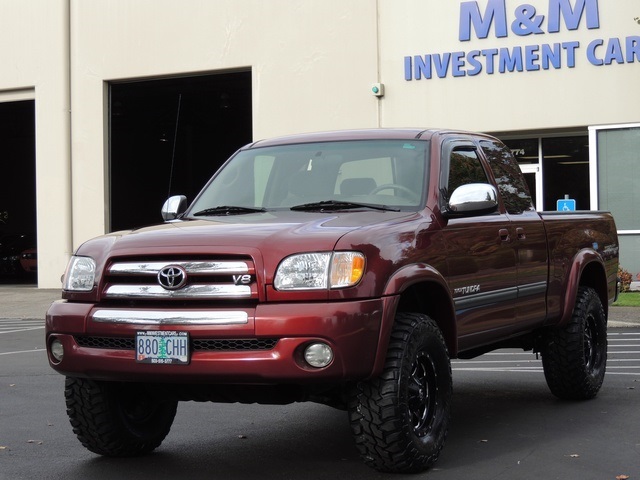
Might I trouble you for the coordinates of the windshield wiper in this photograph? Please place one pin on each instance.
(228, 210)
(327, 205)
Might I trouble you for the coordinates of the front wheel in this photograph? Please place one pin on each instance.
(117, 419)
(574, 357)
(400, 419)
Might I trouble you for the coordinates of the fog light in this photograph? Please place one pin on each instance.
(318, 355)
(57, 350)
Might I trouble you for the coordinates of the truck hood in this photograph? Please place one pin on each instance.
(282, 232)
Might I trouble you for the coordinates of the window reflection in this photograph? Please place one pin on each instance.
(565, 167)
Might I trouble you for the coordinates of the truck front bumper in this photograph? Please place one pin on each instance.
(102, 349)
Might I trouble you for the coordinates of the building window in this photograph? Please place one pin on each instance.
(619, 176)
(565, 171)
(616, 158)
(554, 168)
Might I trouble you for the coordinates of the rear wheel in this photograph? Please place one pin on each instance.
(574, 357)
(400, 419)
(117, 419)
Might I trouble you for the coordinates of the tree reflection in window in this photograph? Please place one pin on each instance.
(513, 189)
(465, 168)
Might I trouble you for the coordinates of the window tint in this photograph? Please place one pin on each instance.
(513, 189)
(464, 168)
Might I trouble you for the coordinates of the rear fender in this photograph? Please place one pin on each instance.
(587, 269)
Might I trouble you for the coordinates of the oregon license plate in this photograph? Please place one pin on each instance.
(162, 347)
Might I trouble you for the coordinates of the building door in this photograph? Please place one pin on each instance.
(18, 192)
(533, 176)
(168, 137)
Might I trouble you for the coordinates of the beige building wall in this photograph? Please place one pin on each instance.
(34, 66)
(313, 63)
(545, 99)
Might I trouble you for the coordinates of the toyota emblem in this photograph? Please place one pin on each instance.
(172, 277)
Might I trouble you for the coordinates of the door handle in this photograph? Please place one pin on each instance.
(504, 235)
(520, 233)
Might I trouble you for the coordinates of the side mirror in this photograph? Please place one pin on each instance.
(173, 207)
(472, 199)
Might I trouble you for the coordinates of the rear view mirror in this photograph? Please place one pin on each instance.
(473, 199)
(173, 207)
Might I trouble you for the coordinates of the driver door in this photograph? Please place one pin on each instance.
(481, 257)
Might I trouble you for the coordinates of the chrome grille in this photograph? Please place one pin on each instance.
(205, 280)
(228, 267)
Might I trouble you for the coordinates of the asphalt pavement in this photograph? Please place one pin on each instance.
(505, 424)
(29, 302)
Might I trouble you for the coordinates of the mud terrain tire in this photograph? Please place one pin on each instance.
(117, 419)
(574, 357)
(400, 419)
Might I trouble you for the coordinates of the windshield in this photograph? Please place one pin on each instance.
(342, 175)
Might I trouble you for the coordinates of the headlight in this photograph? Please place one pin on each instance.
(322, 270)
(80, 274)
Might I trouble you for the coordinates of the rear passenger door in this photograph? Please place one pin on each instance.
(530, 240)
(481, 255)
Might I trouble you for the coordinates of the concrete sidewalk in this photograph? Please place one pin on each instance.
(28, 301)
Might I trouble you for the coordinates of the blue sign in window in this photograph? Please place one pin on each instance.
(566, 205)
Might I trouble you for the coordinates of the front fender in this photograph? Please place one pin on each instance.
(428, 281)
(409, 275)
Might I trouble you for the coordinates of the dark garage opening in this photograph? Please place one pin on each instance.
(18, 256)
(168, 137)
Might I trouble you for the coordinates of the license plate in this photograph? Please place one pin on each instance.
(162, 348)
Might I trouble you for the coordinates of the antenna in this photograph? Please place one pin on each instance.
(175, 137)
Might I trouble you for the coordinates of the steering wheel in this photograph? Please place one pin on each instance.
(394, 186)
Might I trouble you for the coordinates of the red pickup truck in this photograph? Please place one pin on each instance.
(345, 268)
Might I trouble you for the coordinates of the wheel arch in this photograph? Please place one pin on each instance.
(418, 288)
(587, 270)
